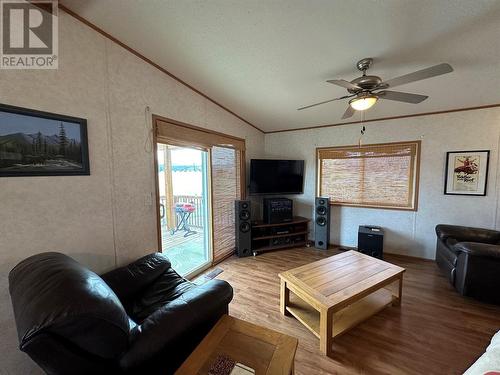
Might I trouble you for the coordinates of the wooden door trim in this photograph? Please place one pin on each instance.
(157, 192)
(156, 119)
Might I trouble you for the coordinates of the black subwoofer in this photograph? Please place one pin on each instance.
(321, 223)
(243, 226)
(371, 241)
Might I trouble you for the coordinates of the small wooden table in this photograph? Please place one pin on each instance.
(266, 351)
(334, 294)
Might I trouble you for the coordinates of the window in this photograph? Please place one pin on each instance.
(379, 175)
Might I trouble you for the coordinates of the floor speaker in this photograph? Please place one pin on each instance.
(321, 223)
(243, 226)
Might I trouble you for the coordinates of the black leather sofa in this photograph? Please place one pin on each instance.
(470, 257)
(140, 319)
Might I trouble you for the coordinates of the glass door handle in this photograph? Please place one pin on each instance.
(162, 210)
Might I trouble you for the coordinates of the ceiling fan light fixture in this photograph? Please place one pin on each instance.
(363, 102)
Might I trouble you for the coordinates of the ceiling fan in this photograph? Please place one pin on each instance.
(364, 90)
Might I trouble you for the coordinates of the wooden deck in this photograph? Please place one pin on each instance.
(178, 239)
(185, 253)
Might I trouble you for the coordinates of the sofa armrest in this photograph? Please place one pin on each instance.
(467, 234)
(166, 327)
(128, 280)
(478, 249)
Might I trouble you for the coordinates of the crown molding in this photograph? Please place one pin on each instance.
(385, 118)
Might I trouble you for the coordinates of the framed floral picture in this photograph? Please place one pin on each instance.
(466, 172)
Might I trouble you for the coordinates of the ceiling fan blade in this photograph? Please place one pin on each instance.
(349, 112)
(401, 96)
(433, 71)
(326, 101)
(345, 84)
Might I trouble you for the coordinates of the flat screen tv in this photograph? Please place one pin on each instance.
(269, 176)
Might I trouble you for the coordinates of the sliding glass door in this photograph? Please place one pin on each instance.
(200, 175)
(184, 207)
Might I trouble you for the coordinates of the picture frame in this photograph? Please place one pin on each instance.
(466, 172)
(36, 143)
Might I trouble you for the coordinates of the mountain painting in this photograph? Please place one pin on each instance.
(34, 143)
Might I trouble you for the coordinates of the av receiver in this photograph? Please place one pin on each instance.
(278, 210)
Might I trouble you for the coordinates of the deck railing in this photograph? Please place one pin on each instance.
(196, 218)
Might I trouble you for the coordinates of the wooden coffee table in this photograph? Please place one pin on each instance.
(266, 351)
(334, 294)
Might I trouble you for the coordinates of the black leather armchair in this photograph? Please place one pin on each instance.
(140, 319)
(470, 257)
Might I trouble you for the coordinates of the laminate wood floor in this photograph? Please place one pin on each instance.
(435, 331)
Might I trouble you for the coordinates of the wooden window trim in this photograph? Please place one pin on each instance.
(415, 178)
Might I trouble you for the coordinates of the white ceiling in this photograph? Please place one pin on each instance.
(265, 58)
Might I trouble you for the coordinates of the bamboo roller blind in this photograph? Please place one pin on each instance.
(182, 134)
(226, 188)
(379, 175)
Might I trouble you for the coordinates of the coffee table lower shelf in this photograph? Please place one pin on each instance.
(344, 319)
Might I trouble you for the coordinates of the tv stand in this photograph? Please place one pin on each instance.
(277, 236)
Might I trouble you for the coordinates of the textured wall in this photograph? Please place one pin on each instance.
(89, 217)
(410, 233)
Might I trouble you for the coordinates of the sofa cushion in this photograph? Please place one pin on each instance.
(131, 279)
(166, 288)
(55, 295)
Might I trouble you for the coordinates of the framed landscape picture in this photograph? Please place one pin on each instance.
(466, 172)
(34, 143)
